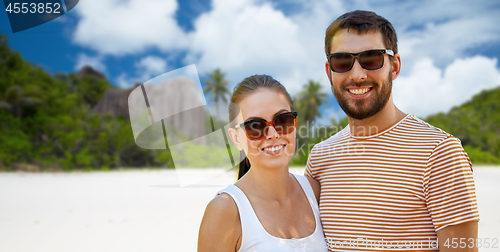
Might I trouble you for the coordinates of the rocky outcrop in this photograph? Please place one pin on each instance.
(115, 102)
(181, 106)
(88, 70)
(177, 101)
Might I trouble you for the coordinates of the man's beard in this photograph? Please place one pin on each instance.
(361, 109)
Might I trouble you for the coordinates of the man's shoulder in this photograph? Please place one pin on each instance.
(421, 129)
(411, 129)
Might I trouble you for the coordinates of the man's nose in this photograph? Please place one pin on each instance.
(357, 73)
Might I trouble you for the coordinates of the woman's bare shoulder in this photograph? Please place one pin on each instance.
(220, 229)
(223, 204)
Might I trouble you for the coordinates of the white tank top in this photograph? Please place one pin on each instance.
(255, 238)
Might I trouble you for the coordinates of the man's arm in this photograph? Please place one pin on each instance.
(450, 196)
(316, 187)
(461, 237)
(308, 173)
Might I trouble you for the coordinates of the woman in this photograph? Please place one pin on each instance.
(268, 208)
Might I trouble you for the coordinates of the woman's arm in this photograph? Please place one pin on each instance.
(220, 229)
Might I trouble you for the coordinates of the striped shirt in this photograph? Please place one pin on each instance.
(392, 190)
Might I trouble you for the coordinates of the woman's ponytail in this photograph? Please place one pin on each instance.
(244, 165)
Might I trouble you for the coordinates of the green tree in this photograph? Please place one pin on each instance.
(217, 87)
(47, 120)
(14, 101)
(309, 100)
(15, 144)
(90, 88)
(307, 104)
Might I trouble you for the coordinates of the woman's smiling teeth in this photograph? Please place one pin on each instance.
(273, 148)
(358, 91)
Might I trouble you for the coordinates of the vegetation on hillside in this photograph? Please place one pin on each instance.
(477, 124)
(45, 121)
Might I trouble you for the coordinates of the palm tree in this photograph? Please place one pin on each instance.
(14, 100)
(216, 85)
(309, 100)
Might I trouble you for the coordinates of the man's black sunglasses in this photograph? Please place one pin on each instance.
(370, 60)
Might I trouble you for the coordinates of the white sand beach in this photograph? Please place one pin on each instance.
(144, 210)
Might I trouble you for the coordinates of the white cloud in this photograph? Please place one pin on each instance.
(446, 41)
(146, 68)
(427, 89)
(121, 27)
(95, 62)
(246, 37)
(150, 66)
(441, 30)
(124, 81)
(243, 37)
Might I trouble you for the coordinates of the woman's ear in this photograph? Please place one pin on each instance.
(235, 138)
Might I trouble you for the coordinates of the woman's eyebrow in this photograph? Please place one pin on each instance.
(275, 114)
(253, 117)
(280, 112)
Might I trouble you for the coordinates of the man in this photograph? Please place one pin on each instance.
(389, 181)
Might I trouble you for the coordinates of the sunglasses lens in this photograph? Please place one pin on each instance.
(284, 123)
(255, 128)
(371, 60)
(341, 62)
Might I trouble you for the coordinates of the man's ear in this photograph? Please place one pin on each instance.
(396, 66)
(235, 138)
(327, 68)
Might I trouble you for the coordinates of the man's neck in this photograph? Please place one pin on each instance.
(379, 122)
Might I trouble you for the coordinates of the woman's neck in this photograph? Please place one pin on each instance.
(268, 183)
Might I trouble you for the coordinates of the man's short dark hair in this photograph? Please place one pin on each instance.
(362, 22)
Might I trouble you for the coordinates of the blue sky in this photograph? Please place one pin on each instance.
(449, 49)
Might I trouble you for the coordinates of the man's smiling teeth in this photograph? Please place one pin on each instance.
(359, 91)
(274, 148)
